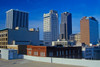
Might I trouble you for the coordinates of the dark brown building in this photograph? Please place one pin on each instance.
(22, 49)
(47, 51)
(84, 25)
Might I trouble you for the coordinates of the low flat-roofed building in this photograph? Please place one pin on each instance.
(22, 49)
(59, 43)
(92, 52)
(8, 54)
(19, 36)
(50, 51)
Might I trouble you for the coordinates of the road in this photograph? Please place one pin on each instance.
(27, 63)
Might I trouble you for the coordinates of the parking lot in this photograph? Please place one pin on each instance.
(27, 63)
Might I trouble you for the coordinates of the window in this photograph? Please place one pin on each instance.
(29, 52)
(50, 54)
(36, 53)
(60, 53)
(42, 53)
(73, 51)
(63, 53)
(78, 51)
(57, 53)
(66, 52)
(69, 51)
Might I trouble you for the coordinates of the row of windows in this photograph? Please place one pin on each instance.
(61, 53)
(3, 35)
(3, 46)
(88, 54)
(3, 43)
(3, 39)
(36, 53)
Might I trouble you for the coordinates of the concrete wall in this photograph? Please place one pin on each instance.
(4, 54)
(34, 58)
(79, 62)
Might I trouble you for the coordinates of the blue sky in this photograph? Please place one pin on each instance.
(37, 8)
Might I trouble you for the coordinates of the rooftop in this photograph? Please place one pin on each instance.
(92, 18)
(15, 10)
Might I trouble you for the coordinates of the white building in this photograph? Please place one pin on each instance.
(57, 43)
(8, 54)
(50, 27)
(92, 52)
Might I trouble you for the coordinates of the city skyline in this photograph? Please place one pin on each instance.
(78, 10)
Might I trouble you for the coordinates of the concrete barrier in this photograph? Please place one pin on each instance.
(34, 58)
(78, 62)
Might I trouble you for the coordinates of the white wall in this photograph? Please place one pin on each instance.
(4, 54)
(42, 59)
(79, 62)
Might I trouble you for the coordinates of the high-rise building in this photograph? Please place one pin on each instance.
(16, 18)
(66, 25)
(51, 27)
(89, 30)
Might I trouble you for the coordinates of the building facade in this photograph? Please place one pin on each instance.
(49, 51)
(16, 18)
(89, 30)
(92, 53)
(19, 36)
(75, 37)
(22, 49)
(50, 27)
(60, 43)
(8, 54)
(66, 25)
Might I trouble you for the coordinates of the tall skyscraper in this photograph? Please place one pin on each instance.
(89, 30)
(51, 27)
(65, 26)
(16, 18)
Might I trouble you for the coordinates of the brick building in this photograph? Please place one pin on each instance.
(49, 51)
